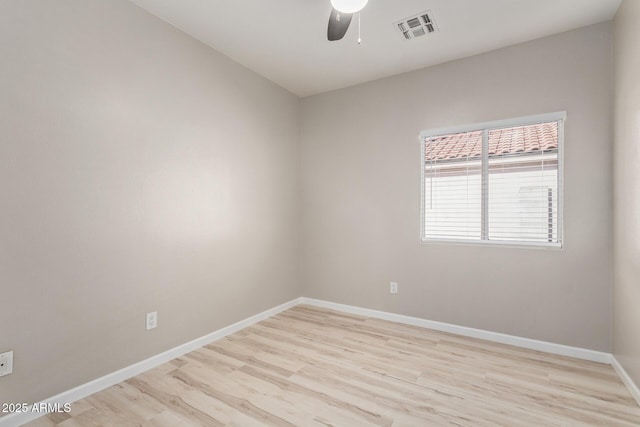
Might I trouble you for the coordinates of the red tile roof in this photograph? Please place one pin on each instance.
(522, 139)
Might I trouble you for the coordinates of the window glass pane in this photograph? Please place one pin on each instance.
(453, 186)
(523, 183)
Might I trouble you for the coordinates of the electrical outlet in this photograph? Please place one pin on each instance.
(393, 287)
(152, 320)
(6, 363)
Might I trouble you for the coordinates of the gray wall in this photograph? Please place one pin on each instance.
(626, 283)
(139, 171)
(361, 178)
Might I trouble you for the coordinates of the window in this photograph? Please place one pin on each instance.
(498, 182)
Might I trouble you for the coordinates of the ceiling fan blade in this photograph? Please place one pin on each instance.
(338, 25)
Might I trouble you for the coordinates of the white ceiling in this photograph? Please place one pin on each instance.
(286, 40)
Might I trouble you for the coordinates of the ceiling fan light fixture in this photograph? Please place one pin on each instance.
(349, 6)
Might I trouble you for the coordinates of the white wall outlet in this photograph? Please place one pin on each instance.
(6, 363)
(393, 287)
(152, 320)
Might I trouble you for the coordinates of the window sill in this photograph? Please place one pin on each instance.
(494, 243)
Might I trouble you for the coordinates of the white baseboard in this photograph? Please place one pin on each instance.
(626, 379)
(547, 347)
(99, 384)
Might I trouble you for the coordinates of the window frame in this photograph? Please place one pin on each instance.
(559, 117)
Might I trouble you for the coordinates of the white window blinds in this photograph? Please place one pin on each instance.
(453, 186)
(496, 183)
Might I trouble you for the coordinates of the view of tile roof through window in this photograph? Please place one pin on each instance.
(521, 139)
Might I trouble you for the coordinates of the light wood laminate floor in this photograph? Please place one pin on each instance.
(314, 367)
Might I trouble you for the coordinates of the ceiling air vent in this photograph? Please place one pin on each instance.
(416, 26)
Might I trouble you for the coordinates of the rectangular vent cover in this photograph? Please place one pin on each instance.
(416, 26)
